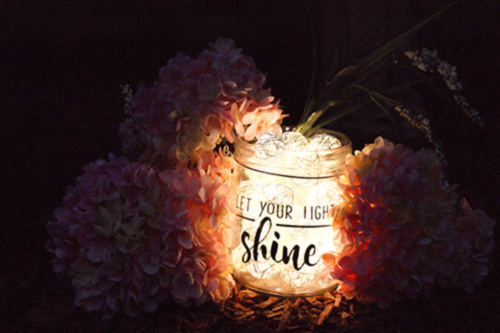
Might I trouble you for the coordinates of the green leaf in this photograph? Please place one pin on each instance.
(333, 67)
(307, 109)
(337, 95)
(382, 108)
(341, 112)
(371, 94)
(433, 85)
(310, 95)
(344, 78)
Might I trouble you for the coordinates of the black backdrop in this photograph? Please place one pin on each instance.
(62, 64)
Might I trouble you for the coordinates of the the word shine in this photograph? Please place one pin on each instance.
(276, 253)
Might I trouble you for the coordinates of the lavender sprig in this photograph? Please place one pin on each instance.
(428, 61)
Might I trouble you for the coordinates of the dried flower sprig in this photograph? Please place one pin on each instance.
(428, 61)
(346, 92)
(422, 124)
(133, 233)
(130, 141)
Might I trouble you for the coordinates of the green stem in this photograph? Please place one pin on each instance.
(307, 128)
(313, 118)
(337, 116)
(429, 80)
(348, 77)
(309, 106)
(374, 100)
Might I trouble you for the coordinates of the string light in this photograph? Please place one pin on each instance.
(286, 191)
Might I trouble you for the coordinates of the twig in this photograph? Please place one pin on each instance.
(325, 314)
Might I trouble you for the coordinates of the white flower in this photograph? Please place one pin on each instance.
(428, 61)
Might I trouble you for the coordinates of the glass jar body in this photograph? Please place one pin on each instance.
(282, 220)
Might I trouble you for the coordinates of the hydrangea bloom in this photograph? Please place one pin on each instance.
(196, 206)
(198, 101)
(473, 246)
(129, 236)
(399, 233)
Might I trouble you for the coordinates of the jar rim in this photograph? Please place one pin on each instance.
(332, 161)
(344, 141)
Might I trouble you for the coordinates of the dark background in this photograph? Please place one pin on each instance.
(61, 67)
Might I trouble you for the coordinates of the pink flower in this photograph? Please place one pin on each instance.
(198, 206)
(186, 284)
(474, 244)
(129, 235)
(107, 239)
(399, 234)
(257, 116)
(196, 103)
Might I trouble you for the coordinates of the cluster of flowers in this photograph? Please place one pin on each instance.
(428, 61)
(136, 231)
(128, 232)
(197, 102)
(401, 232)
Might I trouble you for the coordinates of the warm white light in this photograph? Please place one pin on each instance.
(283, 224)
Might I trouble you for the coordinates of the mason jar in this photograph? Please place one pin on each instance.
(285, 189)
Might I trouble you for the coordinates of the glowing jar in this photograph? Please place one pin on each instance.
(285, 190)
